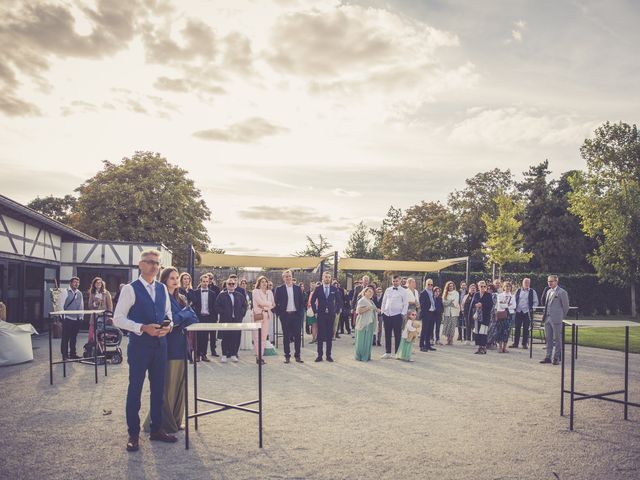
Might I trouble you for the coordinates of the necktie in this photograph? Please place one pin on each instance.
(326, 292)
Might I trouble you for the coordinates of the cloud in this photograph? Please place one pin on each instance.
(290, 215)
(250, 130)
(517, 32)
(339, 192)
(513, 126)
(31, 33)
(185, 85)
(198, 42)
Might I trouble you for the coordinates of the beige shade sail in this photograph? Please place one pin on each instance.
(224, 260)
(397, 265)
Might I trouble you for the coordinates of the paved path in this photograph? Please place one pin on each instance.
(449, 415)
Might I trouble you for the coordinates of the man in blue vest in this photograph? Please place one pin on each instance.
(526, 302)
(71, 323)
(143, 306)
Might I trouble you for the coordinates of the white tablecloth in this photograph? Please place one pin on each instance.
(15, 343)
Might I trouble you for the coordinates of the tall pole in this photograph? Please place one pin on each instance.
(467, 272)
(335, 264)
(191, 260)
(321, 269)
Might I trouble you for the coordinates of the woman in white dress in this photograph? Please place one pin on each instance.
(246, 340)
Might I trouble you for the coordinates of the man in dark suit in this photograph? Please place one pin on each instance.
(231, 306)
(427, 315)
(203, 301)
(324, 304)
(290, 309)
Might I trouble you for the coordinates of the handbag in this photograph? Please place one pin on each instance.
(501, 315)
(258, 317)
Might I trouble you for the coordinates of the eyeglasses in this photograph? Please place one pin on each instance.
(151, 262)
(231, 284)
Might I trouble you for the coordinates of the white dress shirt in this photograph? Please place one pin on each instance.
(204, 295)
(291, 304)
(128, 298)
(394, 301)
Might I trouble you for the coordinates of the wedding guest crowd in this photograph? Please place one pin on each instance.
(156, 312)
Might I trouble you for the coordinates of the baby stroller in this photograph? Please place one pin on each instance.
(108, 341)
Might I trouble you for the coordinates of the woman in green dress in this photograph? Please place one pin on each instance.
(409, 334)
(366, 322)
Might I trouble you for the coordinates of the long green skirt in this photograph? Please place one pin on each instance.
(173, 400)
(364, 342)
(405, 349)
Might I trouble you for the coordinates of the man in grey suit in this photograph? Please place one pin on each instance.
(556, 307)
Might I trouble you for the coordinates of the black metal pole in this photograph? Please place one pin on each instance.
(467, 272)
(104, 342)
(186, 391)
(530, 335)
(562, 373)
(276, 330)
(626, 372)
(335, 264)
(50, 353)
(576, 342)
(573, 374)
(95, 348)
(195, 377)
(260, 387)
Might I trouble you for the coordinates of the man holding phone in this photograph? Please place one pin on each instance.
(144, 308)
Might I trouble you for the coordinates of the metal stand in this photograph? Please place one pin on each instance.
(575, 396)
(53, 315)
(222, 406)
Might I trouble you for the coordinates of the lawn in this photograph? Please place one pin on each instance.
(611, 338)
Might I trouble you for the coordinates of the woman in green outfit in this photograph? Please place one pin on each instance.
(312, 321)
(366, 322)
(409, 334)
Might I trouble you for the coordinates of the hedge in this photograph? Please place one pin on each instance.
(585, 290)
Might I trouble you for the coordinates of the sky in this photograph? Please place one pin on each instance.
(305, 117)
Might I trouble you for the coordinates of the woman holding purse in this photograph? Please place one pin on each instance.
(505, 309)
(263, 303)
(451, 303)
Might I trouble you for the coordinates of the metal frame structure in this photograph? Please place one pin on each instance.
(218, 327)
(61, 314)
(575, 396)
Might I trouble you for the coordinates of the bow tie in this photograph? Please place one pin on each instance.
(395, 288)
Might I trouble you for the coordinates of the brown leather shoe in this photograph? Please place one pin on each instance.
(299, 360)
(133, 444)
(161, 436)
(287, 360)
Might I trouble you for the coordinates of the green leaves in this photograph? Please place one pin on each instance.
(144, 199)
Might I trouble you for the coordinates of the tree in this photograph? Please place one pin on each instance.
(607, 199)
(504, 240)
(144, 199)
(360, 243)
(390, 222)
(550, 231)
(58, 208)
(313, 248)
(426, 231)
(476, 198)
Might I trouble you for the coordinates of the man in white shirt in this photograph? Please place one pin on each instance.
(143, 307)
(556, 307)
(394, 308)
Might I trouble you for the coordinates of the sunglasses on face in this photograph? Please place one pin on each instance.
(231, 284)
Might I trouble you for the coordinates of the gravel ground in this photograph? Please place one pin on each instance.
(448, 415)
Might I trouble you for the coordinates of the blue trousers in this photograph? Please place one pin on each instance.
(143, 357)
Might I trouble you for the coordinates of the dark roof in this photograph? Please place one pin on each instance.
(29, 215)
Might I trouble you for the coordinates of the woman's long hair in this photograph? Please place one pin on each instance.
(92, 289)
(164, 276)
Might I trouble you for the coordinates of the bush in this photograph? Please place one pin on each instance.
(585, 290)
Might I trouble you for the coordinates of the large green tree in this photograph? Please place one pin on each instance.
(389, 223)
(426, 231)
(607, 199)
(315, 248)
(360, 243)
(471, 202)
(58, 208)
(504, 240)
(550, 231)
(144, 199)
